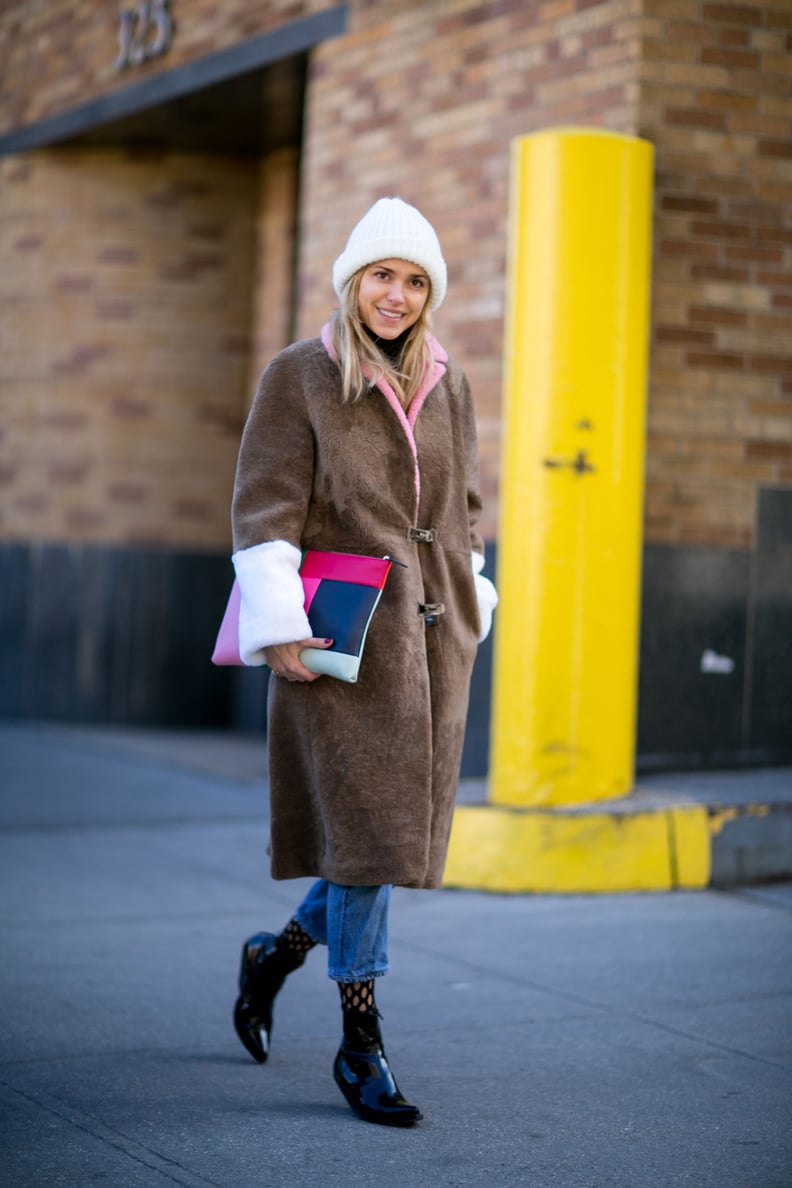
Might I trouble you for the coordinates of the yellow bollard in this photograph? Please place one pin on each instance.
(565, 668)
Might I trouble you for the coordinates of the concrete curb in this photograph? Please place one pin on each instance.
(720, 830)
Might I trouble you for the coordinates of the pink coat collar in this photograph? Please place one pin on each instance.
(434, 373)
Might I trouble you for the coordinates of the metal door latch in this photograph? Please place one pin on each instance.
(580, 463)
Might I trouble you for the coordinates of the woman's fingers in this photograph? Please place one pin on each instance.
(285, 662)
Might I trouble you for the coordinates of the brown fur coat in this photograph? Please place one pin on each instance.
(362, 776)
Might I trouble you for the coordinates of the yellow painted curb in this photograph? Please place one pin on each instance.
(495, 848)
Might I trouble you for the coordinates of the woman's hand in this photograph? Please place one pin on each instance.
(284, 659)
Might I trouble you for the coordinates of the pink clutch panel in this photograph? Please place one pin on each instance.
(345, 567)
(341, 593)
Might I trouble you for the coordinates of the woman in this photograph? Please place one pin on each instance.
(361, 441)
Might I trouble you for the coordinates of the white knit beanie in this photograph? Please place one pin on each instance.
(393, 230)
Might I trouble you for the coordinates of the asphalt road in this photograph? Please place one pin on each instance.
(642, 1041)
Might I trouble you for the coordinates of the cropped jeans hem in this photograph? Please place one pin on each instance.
(363, 975)
(353, 923)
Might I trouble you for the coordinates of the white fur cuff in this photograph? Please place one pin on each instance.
(486, 595)
(271, 603)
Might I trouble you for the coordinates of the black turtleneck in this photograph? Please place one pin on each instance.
(391, 347)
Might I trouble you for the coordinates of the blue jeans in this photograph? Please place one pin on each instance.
(353, 923)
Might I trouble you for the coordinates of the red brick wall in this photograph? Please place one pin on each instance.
(716, 99)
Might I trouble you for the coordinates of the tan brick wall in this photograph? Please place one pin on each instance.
(716, 99)
(423, 101)
(125, 300)
(59, 54)
(273, 295)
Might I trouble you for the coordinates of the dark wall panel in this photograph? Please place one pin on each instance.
(692, 655)
(14, 594)
(111, 635)
(125, 636)
(52, 632)
(475, 752)
(770, 722)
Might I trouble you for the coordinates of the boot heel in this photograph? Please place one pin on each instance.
(363, 1075)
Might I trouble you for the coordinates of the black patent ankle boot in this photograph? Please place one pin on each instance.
(264, 968)
(363, 1075)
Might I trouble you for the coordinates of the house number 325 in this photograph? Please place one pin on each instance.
(144, 32)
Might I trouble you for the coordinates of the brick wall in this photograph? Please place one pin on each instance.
(273, 294)
(54, 56)
(423, 101)
(141, 295)
(716, 99)
(125, 295)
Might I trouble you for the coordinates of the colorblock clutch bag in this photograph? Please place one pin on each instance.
(341, 592)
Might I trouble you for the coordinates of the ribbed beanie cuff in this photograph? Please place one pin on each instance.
(393, 230)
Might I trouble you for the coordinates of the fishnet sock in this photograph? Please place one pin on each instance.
(295, 940)
(358, 996)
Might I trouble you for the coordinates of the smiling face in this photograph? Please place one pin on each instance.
(391, 297)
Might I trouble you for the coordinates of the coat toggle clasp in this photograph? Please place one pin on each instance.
(430, 612)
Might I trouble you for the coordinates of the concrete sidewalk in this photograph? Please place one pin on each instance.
(642, 1041)
(738, 824)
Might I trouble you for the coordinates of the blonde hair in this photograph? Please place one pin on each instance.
(355, 350)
